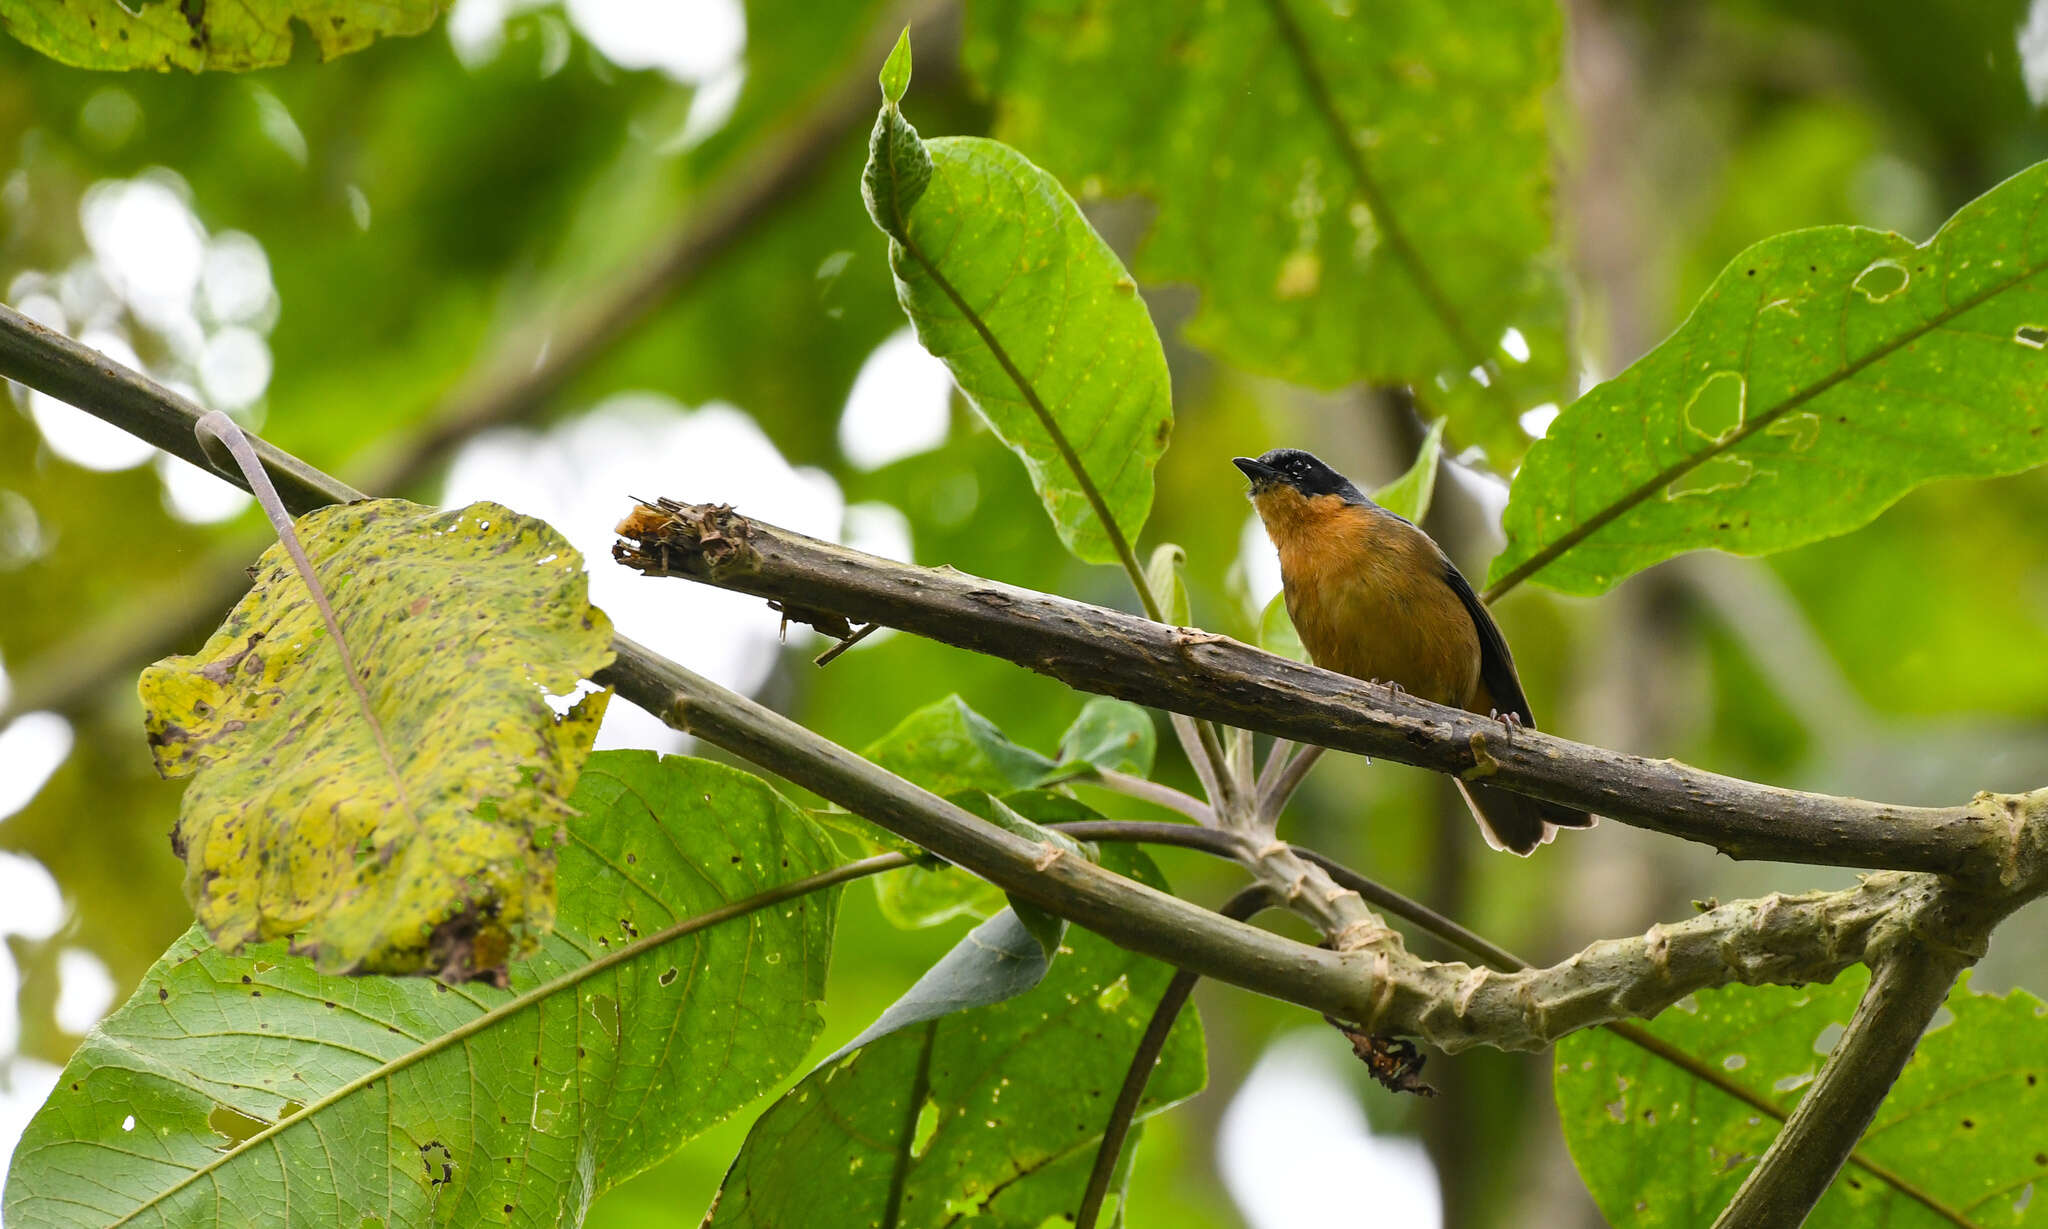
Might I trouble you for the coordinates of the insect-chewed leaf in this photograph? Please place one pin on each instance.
(238, 1090)
(1659, 1147)
(1008, 284)
(1825, 373)
(410, 828)
(978, 1099)
(247, 34)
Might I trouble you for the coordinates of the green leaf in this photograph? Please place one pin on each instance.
(1163, 577)
(947, 747)
(160, 35)
(951, 750)
(1410, 494)
(419, 837)
(990, 1115)
(895, 76)
(253, 1090)
(1377, 208)
(1111, 734)
(999, 959)
(1036, 318)
(1657, 1146)
(1826, 373)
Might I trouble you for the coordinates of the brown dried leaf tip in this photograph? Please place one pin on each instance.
(1393, 1061)
(671, 537)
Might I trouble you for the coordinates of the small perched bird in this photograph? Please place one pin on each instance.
(1372, 596)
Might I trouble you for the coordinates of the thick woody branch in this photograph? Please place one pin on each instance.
(1204, 675)
(1376, 982)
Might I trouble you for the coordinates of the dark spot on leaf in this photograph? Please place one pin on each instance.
(668, 978)
(1968, 1125)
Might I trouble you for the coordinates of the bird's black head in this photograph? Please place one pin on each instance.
(1292, 467)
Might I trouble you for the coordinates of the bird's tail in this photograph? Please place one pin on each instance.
(1517, 822)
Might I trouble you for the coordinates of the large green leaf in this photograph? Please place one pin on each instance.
(1961, 1127)
(990, 1115)
(251, 1089)
(1361, 192)
(1035, 316)
(197, 36)
(1826, 373)
(410, 827)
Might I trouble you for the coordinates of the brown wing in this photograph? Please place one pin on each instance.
(1510, 821)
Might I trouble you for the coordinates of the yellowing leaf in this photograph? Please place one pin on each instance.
(410, 828)
(163, 35)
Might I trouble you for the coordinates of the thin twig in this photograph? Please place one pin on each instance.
(1277, 757)
(1156, 793)
(1273, 797)
(1246, 903)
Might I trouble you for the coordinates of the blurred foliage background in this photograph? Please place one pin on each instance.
(452, 261)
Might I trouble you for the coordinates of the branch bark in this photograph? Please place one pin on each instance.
(1374, 982)
(1097, 649)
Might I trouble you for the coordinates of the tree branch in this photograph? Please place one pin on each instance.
(1101, 650)
(1370, 978)
(1375, 982)
(1908, 983)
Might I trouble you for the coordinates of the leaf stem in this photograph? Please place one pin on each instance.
(1246, 903)
(217, 426)
(548, 989)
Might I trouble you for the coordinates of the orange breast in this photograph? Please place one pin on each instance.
(1367, 594)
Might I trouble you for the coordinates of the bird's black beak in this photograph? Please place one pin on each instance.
(1261, 475)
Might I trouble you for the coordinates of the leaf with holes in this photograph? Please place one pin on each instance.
(990, 1116)
(1826, 373)
(405, 822)
(197, 37)
(1959, 1137)
(251, 1089)
(1037, 319)
(1360, 192)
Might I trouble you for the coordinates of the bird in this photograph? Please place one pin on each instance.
(1374, 597)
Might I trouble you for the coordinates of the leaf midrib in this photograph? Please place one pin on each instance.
(568, 980)
(1750, 426)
